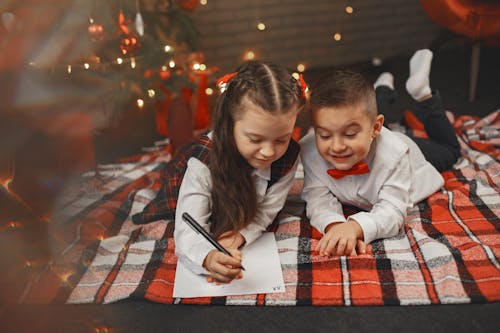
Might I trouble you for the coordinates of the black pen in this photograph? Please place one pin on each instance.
(199, 229)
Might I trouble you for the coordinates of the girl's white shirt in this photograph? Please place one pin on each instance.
(195, 198)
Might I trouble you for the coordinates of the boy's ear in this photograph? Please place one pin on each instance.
(377, 125)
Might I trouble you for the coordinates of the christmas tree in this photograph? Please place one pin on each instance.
(101, 53)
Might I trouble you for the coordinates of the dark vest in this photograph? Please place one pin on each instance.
(164, 204)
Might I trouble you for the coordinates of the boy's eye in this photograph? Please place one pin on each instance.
(350, 135)
(281, 142)
(252, 140)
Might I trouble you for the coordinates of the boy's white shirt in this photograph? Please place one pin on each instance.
(195, 198)
(399, 177)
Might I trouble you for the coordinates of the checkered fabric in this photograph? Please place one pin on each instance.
(447, 252)
(164, 204)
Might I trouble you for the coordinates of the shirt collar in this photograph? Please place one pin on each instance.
(263, 173)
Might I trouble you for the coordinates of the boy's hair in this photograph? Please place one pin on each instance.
(344, 88)
(270, 87)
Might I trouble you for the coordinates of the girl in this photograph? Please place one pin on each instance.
(237, 177)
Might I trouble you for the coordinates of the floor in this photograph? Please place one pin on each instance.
(25, 240)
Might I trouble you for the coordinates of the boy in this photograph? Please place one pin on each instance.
(352, 159)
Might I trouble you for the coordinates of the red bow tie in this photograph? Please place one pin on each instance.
(357, 169)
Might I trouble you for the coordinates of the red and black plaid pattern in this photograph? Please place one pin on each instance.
(448, 251)
(163, 206)
(283, 166)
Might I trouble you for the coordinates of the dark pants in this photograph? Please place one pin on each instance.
(441, 149)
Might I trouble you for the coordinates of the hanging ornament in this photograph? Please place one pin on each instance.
(130, 44)
(123, 23)
(187, 4)
(8, 20)
(96, 32)
(139, 24)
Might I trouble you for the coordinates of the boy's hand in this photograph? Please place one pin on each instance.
(223, 268)
(342, 238)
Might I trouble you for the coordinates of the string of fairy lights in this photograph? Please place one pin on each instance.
(133, 62)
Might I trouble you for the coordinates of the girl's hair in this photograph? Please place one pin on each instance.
(344, 88)
(270, 87)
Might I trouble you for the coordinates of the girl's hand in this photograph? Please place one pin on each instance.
(231, 240)
(223, 268)
(341, 239)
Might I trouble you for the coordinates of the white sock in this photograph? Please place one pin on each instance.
(418, 85)
(384, 79)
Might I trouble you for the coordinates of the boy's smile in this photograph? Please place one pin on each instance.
(344, 134)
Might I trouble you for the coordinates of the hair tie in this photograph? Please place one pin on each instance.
(303, 85)
(223, 81)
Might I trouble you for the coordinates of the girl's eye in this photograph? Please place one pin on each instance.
(350, 135)
(324, 137)
(281, 142)
(254, 140)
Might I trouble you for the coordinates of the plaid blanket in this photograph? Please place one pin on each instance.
(448, 251)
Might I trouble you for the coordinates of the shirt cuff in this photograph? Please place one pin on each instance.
(322, 222)
(251, 233)
(367, 224)
(200, 252)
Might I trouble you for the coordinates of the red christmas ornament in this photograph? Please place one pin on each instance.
(130, 44)
(96, 32)
(187, 4)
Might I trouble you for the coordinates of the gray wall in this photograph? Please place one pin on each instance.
(301, 31)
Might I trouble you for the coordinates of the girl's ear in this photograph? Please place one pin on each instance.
(377, 125)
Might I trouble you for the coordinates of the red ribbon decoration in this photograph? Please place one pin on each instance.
(226, 78)
(359, 168)
(303, 85)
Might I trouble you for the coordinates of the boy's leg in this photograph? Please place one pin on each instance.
(442, 149)
(385, 95)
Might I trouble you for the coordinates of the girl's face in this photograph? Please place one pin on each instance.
(344, 134)
(261, 137)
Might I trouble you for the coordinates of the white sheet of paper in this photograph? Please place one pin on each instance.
(262, 274)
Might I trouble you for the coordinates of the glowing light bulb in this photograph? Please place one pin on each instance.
(337, 36)
(203, 67)
(349, 10)
(209, 91)
(167, 48)
(171, 64)
(301, 67)
(119, 61)
(132, 62)
(140, 103)
(151, 93)
(86, 65)
(196, 66)
(249, 55)
(164, 68)
(261, 26)
(295, 75)
(203, 2)
(69, 69)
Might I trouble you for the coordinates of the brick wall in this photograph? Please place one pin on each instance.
(301, 31)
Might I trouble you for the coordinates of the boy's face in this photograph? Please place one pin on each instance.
(262, 137)
(344, 134)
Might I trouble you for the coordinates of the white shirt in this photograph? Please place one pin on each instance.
(195, 198)
(399, 177)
